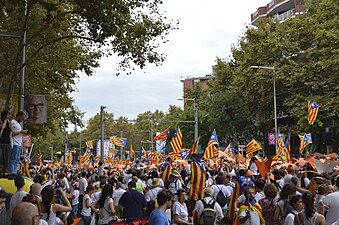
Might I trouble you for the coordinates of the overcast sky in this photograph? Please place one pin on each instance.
(207, 30)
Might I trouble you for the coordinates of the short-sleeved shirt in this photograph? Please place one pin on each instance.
(76, 197)
(332, 200)
(220, 187)
(254, 217)
(17, 139)
(199, 207)
(180, 210)
(86, 211)
(82, 186)
(117, 195)
(133, 203)
(152, 194)
(158, 217)
(107, 216)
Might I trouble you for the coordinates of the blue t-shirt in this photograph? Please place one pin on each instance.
(133, 203)
(158, 217)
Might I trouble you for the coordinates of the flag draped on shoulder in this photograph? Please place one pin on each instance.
(211, 150)
(166, 171)
(194, 148)
(198, 180)
(251, 147)
(176, 142)
(163, 135)
(313, 109)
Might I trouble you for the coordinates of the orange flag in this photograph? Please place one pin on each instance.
(264, 167)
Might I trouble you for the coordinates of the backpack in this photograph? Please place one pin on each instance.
(208, 215)
(221, 199)
(287, 208)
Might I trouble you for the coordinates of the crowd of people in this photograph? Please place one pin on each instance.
(231, 195)
(104, 194)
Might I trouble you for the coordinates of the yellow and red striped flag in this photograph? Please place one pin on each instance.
(166, 171)
(163, 135)
(89, 144)
(211, 150)
(194, 148)
(176, 142)
(40, 158)
(251, 147)
(198, 180)
(313, 109)
(131, 151)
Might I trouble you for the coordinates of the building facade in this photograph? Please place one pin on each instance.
(278, 10)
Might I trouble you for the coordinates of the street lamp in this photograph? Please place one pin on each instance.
(274, 102)
(102, 133)
(195, 115)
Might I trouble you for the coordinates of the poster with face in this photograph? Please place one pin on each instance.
(36, 108)
(271, 138)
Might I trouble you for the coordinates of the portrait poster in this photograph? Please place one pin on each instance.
(26, 141)
(36, 109)
(271, 138)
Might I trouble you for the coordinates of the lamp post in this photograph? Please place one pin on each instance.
(195, 116)
(274, 102)
(102, 133)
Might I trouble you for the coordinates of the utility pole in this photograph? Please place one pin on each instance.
(102, 132)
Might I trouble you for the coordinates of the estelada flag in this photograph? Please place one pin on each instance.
(198, 180)
(211, 150)
(163, 135)
(176, 142)
(194, 149)
(313, 109)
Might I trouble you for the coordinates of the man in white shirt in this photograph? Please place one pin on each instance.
(331, 203)
(17, 141)
(19, 194)
(82, 189)
(208, 198)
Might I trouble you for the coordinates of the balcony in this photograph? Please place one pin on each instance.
(260, 13)
(283, 16)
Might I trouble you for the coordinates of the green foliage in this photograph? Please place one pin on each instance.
(304, 51)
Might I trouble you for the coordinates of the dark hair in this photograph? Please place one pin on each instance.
(308, 200)
(219, 180)
(132, 184)
(180, 191)
(31, 198)
(337, 182)
(4, 114)
(294, 199)
(242, 172)
(19, 182)
(47, 195)
(287, 191)
(83, 174)
(323, 189)
(20, 113)
(270, 190)
(163, 196)
(89, 188)
(259, 184)
(38, 179)
(2, 194)
(107, 191)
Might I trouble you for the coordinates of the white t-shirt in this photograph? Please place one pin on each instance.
(152, 194)
(82, 186)
(289, 220)
(76, 197)
(86, 211)
(117, 193)
(180, 210)
(254, 217)
(199, 207)
(17, 139)
(254, 168)
(220, 187)
(332, 200)
(16, 199)
(106, 216)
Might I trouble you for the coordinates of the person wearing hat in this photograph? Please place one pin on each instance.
(155, 188)
(17, 133)
(173, 184)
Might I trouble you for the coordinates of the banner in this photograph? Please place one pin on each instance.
(36, 109)
(26, 141)
(271, 138)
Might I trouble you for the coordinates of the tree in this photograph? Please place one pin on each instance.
(64, 37)
(304, 52)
